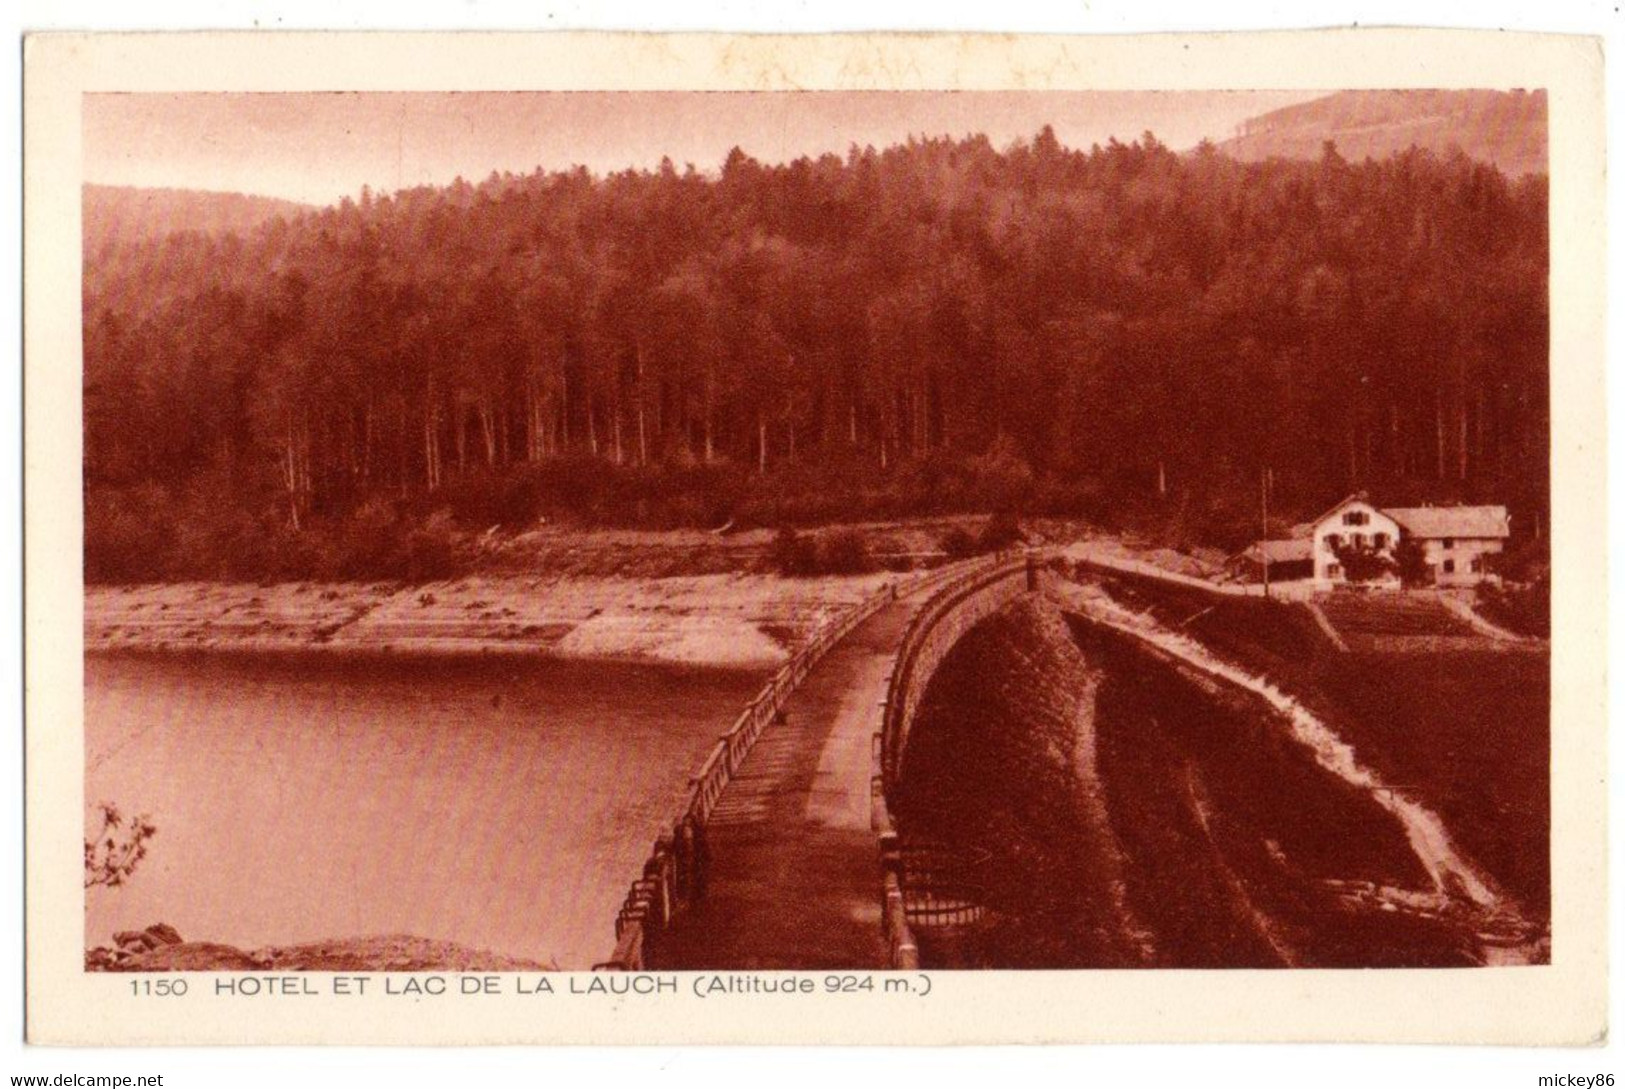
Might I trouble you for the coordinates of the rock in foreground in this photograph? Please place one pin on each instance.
(393, 953)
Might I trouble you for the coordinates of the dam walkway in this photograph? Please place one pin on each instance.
(786, 856)
(793, 871)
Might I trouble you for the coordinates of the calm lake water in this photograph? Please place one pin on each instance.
(503, 804)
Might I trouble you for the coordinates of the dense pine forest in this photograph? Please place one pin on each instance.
(1122, 333)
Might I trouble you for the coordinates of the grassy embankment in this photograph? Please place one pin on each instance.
(1245, 849)
(1462, 724)
(1134, 817)
(997, 769)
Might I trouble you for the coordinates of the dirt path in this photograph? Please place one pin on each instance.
(1484, 627)
(1325, 624)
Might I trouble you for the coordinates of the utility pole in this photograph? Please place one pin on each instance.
(1264, 526)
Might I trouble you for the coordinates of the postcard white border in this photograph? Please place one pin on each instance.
(1560, 1003)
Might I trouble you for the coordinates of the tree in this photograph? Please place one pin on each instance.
(1142, 330)
(1410, 560)
(1362, 563)
(117, 848)
(794, 555)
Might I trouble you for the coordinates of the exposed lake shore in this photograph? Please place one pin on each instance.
(736, 620)
(681, 597)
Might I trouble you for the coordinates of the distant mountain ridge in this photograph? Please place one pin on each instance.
(121, 213)
(1505, 128)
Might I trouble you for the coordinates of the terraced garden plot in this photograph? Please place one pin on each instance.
(1390, 614)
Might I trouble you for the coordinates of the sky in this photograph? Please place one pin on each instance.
(318, 148)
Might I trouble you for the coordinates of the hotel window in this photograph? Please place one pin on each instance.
(1476, 565)
(1450, 542)
(1381, 541)
(1450, 567)
(1334, 541)
(1334, 570)
(1355, 518)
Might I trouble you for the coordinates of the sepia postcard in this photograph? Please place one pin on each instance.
(588, 538)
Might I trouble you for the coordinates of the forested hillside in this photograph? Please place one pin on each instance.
(1506, 129)
(1123, 333)
(115, 214)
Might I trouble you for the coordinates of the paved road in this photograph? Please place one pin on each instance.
(795, 875)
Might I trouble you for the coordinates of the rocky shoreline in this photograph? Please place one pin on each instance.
(160, 948)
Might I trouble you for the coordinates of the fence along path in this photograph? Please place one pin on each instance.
(772, 861)
(922, 883)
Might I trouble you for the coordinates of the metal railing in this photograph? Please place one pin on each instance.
(927, 884)
(948, 614)
(675, 871)
(943, 886)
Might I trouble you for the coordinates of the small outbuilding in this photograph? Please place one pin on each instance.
(1288, 560)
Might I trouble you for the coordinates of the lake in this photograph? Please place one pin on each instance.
(502, 803)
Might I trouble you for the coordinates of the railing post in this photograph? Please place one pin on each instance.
(682, 864)
(701, 858)
(899, 936)
(891, 853)
(660, 864)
